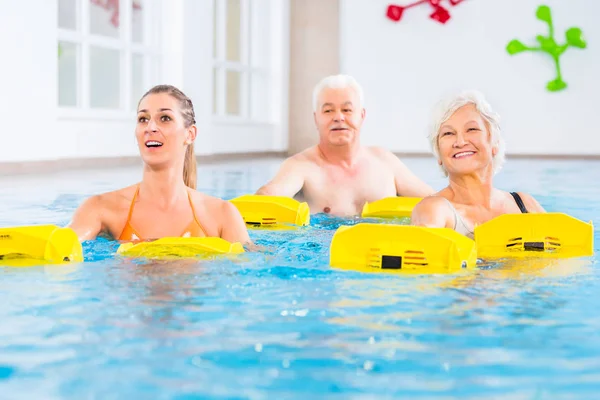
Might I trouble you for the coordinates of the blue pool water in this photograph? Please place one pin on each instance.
(283, 324)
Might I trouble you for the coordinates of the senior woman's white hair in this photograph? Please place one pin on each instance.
(447, 107)
(336, 82)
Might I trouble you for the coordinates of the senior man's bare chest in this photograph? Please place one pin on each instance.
(344, 192)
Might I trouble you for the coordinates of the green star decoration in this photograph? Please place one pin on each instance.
(547, 44)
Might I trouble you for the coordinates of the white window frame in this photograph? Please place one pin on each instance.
(82, 37)
(247, 65)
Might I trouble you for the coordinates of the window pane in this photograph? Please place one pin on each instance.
(137, 79)
(104, 77)
(215, 28)
(215, 91)
(67, 14)
(153, 74)
(137, 21)
(233, 30)
(68, 54)
(104, 17)
(233, 85)
(259, 97)
(259, 34)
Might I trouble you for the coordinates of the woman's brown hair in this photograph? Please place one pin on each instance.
(189, 118)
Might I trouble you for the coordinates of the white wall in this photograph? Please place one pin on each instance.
(35, 129)
(314, 40)
(27, 79)
(406, 67)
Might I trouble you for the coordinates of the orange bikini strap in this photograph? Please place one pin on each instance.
(132, 203)
(194, 213)
(193, 209)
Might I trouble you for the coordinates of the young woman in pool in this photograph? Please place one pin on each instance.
(466, 140)
(165, 203)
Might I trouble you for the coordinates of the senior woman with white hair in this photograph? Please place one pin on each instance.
(465, 138)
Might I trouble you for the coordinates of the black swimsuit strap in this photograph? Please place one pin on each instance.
(519, 202)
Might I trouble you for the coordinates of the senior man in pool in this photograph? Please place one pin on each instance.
(338, 175)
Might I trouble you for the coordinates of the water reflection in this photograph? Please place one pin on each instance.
(498, 291)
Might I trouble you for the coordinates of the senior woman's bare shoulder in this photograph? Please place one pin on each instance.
(433, 211)
(531, 204)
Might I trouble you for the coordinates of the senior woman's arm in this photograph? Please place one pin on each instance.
(432, 212)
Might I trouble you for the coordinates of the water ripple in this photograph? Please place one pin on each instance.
(283, 324)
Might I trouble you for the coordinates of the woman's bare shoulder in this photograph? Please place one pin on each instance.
(432, 202)
(204, 200)
(433, 211)
(108, 204)
(531, 204)
(212, 206)
(222, 212)
(100, 213)
(442, 197)
(115, 198)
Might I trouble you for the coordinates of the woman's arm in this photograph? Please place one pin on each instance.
(432, 212)
(233, 227)
(87, 219)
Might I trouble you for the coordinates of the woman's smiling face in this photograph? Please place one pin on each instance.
(465, 143)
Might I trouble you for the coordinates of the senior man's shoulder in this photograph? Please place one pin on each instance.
(382, 153)
(305, 156)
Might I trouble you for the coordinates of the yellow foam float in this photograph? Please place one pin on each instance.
(390, 207)
(38, 244)
(272, 211)
(178, 247)
(404, 248)
(401, 248)
(556, 235)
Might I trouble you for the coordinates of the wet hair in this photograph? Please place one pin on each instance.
(187, 111)
(444, 110)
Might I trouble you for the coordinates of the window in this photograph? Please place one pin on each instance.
(242, 76)
(106, 56)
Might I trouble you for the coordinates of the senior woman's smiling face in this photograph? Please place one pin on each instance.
(465, 142)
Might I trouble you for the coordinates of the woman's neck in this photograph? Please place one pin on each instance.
(472, 189)
(164, 186)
